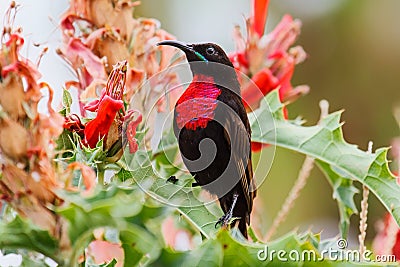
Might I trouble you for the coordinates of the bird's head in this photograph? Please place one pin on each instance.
(203, 52)
(208, 59)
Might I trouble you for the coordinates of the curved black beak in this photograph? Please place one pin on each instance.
(191, 54)
(182, 46)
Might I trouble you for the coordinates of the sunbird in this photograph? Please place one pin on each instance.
(213, 131)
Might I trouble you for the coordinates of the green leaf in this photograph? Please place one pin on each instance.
(210, 253)
(115, 207)
(181, 196)
(106, 208)
(325, 143)
(123, 175)
(166, 154)
(343, 192)
(65, 144)
(89, 263)
(67, 101)
(21, 234)
(112, 263)
(139, 246)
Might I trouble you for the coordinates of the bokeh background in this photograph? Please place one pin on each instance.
(354, 63)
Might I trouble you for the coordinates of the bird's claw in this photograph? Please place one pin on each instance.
(224, 220)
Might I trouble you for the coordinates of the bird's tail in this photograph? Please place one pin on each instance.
(243, 227)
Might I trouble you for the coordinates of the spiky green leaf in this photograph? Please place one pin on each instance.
(67, 101)
(325, 142)
(181, 196)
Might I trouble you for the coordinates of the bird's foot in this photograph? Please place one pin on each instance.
(227, 217)
(224, 220)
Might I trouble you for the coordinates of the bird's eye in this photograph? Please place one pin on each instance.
(210, 50)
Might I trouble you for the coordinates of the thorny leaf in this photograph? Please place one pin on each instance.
(325, 143)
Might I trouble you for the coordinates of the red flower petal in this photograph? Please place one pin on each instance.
(131, 129)
(256, 146)
(15, 39)
(76, 52)
(285, 34)
(99, 126)
(14, 45)
(94, 36)
(134, 79)
(29, 71)
(73, 124)
(262, 83)
(104, 251)
(68, 20)
(93, 106)
(285, 77)
(260, 15)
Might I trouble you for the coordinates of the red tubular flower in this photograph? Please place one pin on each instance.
(387, 241)
(98, 128)
(262, 83)
(268, 59)
(260, 10)
(107, 107)
(110, 117)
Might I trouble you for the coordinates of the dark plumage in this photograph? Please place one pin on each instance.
(213, 131)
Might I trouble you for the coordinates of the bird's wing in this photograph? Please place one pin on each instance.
(237, 133)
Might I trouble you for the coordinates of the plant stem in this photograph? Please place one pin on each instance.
(293, 195)
(363, 220)
(364, 213)
(100, 174)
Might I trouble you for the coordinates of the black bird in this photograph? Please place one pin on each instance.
(213, 131)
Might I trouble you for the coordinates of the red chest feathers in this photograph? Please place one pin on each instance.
(195, 108)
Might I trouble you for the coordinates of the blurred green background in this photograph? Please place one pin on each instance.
(354, 63)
